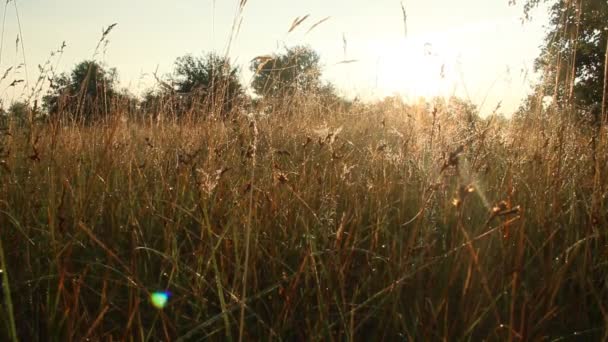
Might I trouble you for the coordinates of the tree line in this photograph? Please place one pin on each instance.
(206, 85)
(571, 62)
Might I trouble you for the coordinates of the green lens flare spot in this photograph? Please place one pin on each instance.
(160, 298)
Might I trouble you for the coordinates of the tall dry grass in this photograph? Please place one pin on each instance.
(382, 222)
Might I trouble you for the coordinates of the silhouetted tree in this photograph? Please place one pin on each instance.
(151, 103)
(297, 71)
(86, 94)
(572, 58)
(19, 112)
(207, 84)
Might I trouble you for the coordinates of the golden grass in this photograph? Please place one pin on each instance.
(379, 222)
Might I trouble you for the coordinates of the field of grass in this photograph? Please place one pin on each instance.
(381, 222)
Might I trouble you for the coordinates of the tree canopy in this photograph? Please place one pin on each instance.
(573, 54)
(285, 75)
(85, 94)
(208, 83)
(19, 112)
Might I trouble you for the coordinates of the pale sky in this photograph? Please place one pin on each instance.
(481, 46)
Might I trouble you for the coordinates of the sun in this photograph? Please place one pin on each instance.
(423, 66)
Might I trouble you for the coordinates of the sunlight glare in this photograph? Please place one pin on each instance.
(416, 67)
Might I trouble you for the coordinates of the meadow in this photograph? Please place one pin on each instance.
(305, 216)
(381, 221)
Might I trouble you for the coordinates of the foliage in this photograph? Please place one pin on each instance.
(126, 103)
(295, 72)
(151, 103)
(85, 95)
(573, 53)
(208, 84)
(19, 112)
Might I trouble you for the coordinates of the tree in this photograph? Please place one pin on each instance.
(125, 103)
(18, 112)
(209, 83)
(151, 103)
(297, 71)
(572, 58)
(86, 94)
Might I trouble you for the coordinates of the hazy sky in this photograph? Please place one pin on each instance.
(471, 48)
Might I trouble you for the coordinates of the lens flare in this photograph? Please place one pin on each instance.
(160, 298)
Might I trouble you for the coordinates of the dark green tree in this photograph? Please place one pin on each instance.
(572, 58)
(86, 94)
(151, 103)
(19, 113)
(207, 84)
(297, 71)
